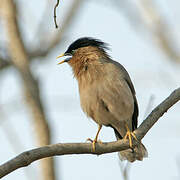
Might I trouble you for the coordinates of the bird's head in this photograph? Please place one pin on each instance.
(83, 48)
(85, 55)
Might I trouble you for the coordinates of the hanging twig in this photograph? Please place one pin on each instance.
(55, 13)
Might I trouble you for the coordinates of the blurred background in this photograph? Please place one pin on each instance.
(39, 101)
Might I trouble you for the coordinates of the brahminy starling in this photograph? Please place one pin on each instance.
(106, 91)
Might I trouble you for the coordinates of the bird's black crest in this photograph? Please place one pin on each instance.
(87, 41)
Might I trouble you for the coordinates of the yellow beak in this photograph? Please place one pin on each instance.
(61, 55)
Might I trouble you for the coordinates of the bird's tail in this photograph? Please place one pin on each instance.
(137, 153)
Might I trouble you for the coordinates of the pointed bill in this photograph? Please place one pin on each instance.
(61, 55)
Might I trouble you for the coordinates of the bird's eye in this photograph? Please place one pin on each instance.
(73, 51)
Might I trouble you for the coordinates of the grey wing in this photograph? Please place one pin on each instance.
(116, 101)
(136, 109)
(129, 82)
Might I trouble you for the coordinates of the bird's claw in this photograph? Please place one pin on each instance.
(93, 143)
(129, 136)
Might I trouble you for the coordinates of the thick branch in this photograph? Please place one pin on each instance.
(20, 61)
(28, 157)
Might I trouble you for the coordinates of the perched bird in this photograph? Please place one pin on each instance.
(107, 94)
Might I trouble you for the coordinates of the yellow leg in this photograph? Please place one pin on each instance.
(129, 135)
(96, 138)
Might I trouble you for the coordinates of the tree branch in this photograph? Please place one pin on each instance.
(153, 117)
(20, 61)
(26, 158)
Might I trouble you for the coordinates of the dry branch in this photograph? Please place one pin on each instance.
(20, 61)
(26, 158)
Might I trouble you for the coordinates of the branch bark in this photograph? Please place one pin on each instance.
(21, 62)
(26, 158)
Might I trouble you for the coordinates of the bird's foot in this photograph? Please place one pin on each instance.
(95, 140)
(129, 136)
(94, 143)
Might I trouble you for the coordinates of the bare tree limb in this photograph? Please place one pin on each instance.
(157, 113)
(26, 158)
(20, 61)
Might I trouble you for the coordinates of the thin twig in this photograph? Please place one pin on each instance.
(55, 13)
(56, 39)
(26, 158)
